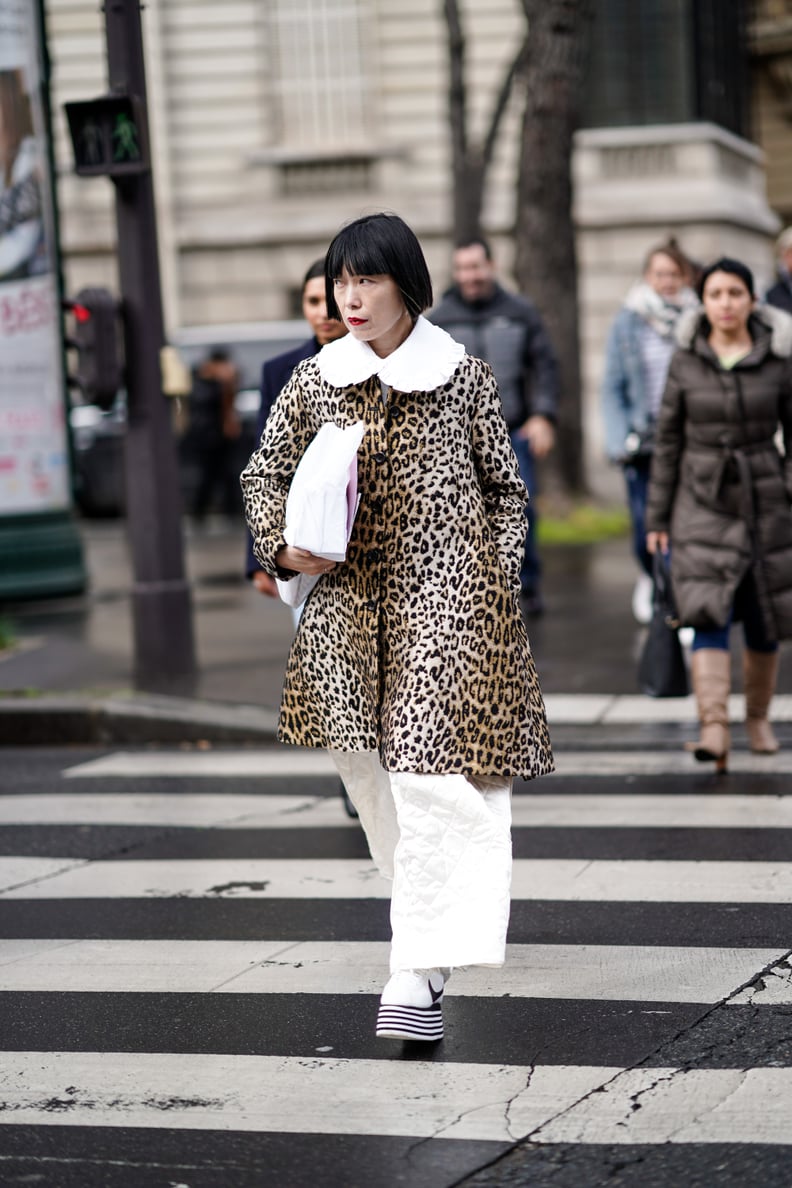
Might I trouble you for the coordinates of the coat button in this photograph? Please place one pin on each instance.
(371, 604)
(374, 555)
(379, 458)
(376, 507)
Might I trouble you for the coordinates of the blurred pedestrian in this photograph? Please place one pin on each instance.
(212, 429)
(277, 371)
(411, 663)
(719, 497)
(506, 331)
(780, 294)
(639, 349)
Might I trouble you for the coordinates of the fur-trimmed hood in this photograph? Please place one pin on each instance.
(775, 320)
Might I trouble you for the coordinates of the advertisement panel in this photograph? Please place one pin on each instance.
(34, 474)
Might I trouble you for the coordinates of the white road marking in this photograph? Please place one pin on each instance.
(265, 763)
(287, 1094)
(18, 872)
(653, 762)
(277, 762)
(682, 1106)
(529, 809)
(114, 966)
(453, 1101)
(596, 972)
(188, 810)
(589, 709)
(569, 879)
(774, 989)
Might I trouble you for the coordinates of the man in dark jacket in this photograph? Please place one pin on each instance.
(505, 330)
(276, 373)
(780, 294)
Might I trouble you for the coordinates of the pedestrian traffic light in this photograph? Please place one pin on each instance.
(108, 136)
(95, 337)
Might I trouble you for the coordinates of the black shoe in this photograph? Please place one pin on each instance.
(351, 811)
(532, 604)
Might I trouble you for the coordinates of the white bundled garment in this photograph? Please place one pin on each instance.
(445, 840)
(322, 503)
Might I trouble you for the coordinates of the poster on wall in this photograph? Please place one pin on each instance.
(34, 474)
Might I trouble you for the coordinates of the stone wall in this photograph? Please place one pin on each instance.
(242, 212)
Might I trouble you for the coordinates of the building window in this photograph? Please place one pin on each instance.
(668, 62)
(335, 175)
(319, 73)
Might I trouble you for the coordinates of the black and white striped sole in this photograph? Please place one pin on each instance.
(410, 1023)
(190, 973)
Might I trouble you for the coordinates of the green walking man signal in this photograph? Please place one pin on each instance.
(108, 136)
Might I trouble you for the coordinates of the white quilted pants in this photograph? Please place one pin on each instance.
(445, 840)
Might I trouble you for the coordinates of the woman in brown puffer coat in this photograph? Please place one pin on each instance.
(720, 496)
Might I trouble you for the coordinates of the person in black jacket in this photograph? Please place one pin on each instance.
(275, 374)
(780, 294)
(506, 331)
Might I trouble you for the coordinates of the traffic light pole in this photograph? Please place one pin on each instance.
(162, 614)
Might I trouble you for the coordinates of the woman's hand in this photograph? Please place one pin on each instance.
(657, 541)
(539, 432)
(264, 583)
(302, 561)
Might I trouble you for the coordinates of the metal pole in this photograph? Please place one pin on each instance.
(162, 615)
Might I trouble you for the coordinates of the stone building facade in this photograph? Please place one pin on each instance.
(275, 121)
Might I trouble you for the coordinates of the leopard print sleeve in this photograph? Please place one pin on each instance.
(505, 496)
(267, 477)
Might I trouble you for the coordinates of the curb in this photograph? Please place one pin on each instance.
(134, 720)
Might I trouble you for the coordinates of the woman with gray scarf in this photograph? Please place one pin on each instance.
(640, 345)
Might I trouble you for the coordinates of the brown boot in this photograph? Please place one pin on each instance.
(760, 670)
(711, 670)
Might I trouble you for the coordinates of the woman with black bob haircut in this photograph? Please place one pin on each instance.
(720, 497)
(380, 244)
(411, 664)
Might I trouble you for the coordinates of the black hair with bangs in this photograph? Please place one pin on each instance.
(733, 268)
(380, 245)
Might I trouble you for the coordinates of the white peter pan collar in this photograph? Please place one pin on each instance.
(427, 358)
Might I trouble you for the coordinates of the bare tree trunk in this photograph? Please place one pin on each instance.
(545, 261)
(471, 161)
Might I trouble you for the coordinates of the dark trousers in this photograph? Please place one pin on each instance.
(636, 476)
(746, 604)
(531, 569)
(213, 475)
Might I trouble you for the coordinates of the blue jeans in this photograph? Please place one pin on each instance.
(531, 569)
(636, 476)
(753, 625)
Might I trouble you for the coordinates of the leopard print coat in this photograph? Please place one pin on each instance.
(415, 645)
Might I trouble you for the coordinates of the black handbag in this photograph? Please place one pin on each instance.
(661, 669)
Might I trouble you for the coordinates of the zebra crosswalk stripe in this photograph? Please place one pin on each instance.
(273, 811)
(602, 972)
(553, 878)
(453, 1101)
(106, 1031)
(274, 762)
